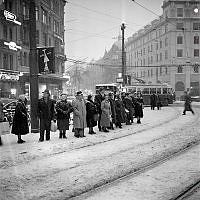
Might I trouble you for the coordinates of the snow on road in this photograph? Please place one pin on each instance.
(60, 169)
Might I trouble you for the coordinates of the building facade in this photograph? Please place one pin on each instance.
(167, 49)
(49, 33)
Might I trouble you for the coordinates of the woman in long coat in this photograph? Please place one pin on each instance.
(91, 111)
(63, 109)
(20, 119)
(106, 114)
(79, 115)
(139, 107)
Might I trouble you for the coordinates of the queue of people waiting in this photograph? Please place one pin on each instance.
(108, 111)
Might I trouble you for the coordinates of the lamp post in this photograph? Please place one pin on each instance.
(33, 68)
(123, 54)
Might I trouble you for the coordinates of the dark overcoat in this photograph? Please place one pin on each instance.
(188, 101)
(63, 110)
(139, 107)
(153, 100)
(119, 110)
(113, 111)
(91, 110)
(46, 113)
(97, 100)
(20, 120)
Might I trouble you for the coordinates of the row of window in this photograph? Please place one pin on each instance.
(180, 26)
(8, 61)
(180, 39)
(180, 53)
(195, 69)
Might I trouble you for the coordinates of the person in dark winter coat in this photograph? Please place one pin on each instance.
(97, 100)
(129, 107)
(91, 112)
(46, 113)
(187, 105)
(153, 101)
(63, 110)
(139, 107)
(118, 108)
(113, 111)
(20, 119)
(158, 103)
(106, 114)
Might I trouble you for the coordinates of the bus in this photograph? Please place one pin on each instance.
(109, 87)
(165, 92)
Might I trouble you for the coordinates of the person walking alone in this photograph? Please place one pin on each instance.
(46, 113)
(20, 119)
(187, 105)
(63, 110)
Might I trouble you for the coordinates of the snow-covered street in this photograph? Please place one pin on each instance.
(60, 169)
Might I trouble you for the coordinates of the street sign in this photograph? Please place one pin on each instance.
(12, 45)
(119, 80)
(46, 60)
(11, 17)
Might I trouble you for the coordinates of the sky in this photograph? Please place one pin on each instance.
(91, 26)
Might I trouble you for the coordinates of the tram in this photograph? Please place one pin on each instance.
(109, 87)
(165, 92)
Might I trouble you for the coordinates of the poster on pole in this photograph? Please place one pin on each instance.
(46, 60)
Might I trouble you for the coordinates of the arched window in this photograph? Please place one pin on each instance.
(179, 86)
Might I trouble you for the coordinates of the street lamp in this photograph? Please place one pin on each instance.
(196, 10)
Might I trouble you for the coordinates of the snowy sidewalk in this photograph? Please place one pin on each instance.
(13, 153)
(62, 168)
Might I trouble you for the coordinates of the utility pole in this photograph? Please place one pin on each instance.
(123, 55)
(33, 68)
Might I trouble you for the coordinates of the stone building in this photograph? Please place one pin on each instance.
(167, 49)
(49, 33)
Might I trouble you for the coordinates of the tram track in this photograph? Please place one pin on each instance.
(125, 166)
(187, 192)
(6, 164)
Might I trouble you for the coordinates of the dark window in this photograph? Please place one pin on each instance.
(11, 62)
(196, 68)
(180, 69)
(196, 52)
(179, 12)
(180, 40)
(179, 52)
(196, 39)
(37, 36)
(160, 71)
(5, 61)
(179, 26)
(166, 71)
(196, 26)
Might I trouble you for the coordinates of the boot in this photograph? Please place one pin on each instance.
(64, 135)
(90, 131)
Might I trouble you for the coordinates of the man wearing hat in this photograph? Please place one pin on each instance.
(79, 115)
(97, 100)
(46, 112)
